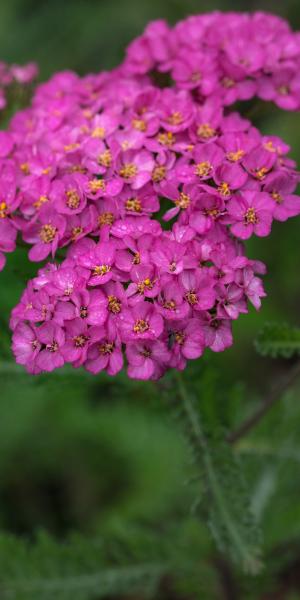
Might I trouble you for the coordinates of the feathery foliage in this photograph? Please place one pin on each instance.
(229, 515)
(278, 340)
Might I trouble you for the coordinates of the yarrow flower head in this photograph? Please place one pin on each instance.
(148, 192)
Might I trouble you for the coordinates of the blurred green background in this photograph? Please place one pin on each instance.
(102, 457)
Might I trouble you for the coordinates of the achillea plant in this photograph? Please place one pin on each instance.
(151, 190)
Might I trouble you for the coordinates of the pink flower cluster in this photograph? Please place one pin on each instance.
(232, 56)
(151, 189)
(162, 296)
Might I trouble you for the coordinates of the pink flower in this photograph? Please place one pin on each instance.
(99, 262)
(25, 346)
(45, 234)
(199, 290)
(141, 322)
(232, 302)
(252, 287)
(283, 87)
(169, 256)
(280, 186)
(91, 306)
(217, 333)
(171, 302)
(144, 283)
(229, 177)
(186, 341)
(105, 352)
(52, 338)
(135, 168)
(68, 196)
(250, 213)
(147, 359)
(8, 234)
(206, 158)
(77, 339)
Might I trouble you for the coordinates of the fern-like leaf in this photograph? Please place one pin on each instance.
(278, 340)
(230, 520)
(77, 570)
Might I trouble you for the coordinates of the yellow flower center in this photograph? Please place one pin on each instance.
(80, 340)
(235, 156)
(73, 199)
(158, 174)
(251, 216)
(283, 90)
(133, 205)
(114, 305)
(212, 212)
(98, 132)
(128, 170)
(224, 189)
(77, 169)
(3, 210)
(228, 83)
(175, 118)
(106, 348)
(70, 147)
(166, 139)
(205, 131)
(260, 173)
(106, 218)
(183, 201)
(96, 184)
(179, 337)
(105, 159)
(47, 233)
(42, 200)
(139, 124)
(270, 146)
(75, 232)
(100, 270)
(277, 197)
(191, 297)
(203, 169)
(141, 326)
(146, 284)
(169, 304)
(25, 168)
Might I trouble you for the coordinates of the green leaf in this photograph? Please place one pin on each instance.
(72, 571)
(230, 519)
(278, 340)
